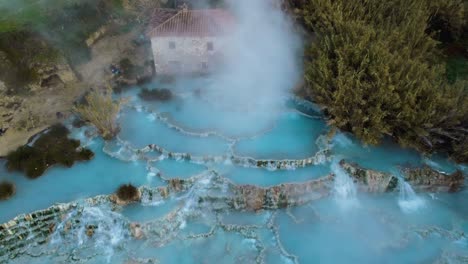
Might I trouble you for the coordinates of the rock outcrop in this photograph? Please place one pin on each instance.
(29, 230)
(213, 191)
(428, 179)
(370, 180)
(206, 191)
(421, 179)
(254, 198)
(54, 74)
(249, 162)
(8, 106)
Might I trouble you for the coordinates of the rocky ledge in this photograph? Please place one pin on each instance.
(421, 179)
(206, 191)
(209, 189)
(249, 162)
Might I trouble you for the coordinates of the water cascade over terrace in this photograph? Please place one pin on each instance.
(236, 169)
(202, 192)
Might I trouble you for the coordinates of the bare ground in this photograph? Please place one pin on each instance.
(39, 111)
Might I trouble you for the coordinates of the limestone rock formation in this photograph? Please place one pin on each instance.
(421, 179)
(428, 179)
(254, 198)
(136, 231)
(208, 190)
(370, 180)
(29, 229)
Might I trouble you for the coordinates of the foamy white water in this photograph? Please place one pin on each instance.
(408, 200)
(344, 189)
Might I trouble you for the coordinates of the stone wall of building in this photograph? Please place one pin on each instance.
(191, 53)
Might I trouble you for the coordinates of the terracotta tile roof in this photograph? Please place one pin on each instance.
(200, 23)
(161, 15)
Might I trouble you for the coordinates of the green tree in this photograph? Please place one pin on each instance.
(378, 72)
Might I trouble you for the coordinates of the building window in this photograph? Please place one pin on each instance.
(209, 46)
(204, 65)
(171, 45)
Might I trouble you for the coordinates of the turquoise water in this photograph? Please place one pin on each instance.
(102, 175)
(155, 132)
(178, 169)
(347, 227)
(301, 145)
(264, 177)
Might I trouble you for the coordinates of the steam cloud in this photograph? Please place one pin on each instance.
(261, 57)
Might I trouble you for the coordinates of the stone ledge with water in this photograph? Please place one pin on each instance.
(402, 205)
(91, 222)
(234, 169)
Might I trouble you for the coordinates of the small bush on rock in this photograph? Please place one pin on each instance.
(7, 190)
(127, 193)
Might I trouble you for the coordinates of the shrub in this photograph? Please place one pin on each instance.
(120, 86)
(101, 110)
(52, 147)
(130, 70)
(127, 67)
(377, 73)
(127, 193)
(155, 95)
(7, 190)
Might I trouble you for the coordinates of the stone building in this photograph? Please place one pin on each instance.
(191, 41)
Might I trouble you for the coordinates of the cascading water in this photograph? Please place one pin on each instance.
(91, 231)
(233, 124)
(344, 189)
(362, 229)
(408, 200)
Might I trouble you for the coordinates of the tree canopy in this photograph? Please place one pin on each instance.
(377, 70)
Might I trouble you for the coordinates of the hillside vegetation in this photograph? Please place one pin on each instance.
(382, 68)
(34, 32)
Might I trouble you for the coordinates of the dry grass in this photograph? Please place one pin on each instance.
(101, 110)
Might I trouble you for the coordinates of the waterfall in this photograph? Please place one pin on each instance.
(408, 200)
(91, 230)
(344, 189)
